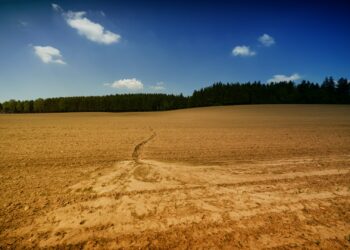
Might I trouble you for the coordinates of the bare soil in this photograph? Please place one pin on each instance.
(236, 177)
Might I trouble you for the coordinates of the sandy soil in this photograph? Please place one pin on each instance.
(250, 177)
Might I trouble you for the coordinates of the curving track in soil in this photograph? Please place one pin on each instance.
(136, 154)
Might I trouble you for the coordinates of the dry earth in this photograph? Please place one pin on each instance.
(250, 177)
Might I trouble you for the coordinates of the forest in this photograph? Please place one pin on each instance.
(305, 92)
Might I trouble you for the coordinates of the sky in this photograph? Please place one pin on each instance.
(79, 48)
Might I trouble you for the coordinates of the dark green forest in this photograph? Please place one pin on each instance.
(306, 92)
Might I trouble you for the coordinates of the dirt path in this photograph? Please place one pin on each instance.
(138, 148)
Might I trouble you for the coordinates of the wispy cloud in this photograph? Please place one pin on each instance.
(56, 7)
(266, 40)
(159, 86)
(284, 78)
(128, 84)
(91, 30)
(49, 54)
(243, 51)
(22, 23)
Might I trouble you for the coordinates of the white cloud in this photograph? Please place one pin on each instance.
(284, 78)
(242, 51)
(48, 54)
(89, 29)
(266, 40)
(159, 86)
(93, 31)
(56, 7)
(129, 84)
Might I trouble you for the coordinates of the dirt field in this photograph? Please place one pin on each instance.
(250, 177)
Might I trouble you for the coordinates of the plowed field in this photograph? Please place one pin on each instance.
(235, 177)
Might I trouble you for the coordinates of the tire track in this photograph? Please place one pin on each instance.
(136, 154)
(126, 171)
(193, 187)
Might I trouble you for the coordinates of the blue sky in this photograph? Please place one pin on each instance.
(74, 48)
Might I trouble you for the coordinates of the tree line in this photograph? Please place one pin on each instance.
(306, 92)
(109, 103)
